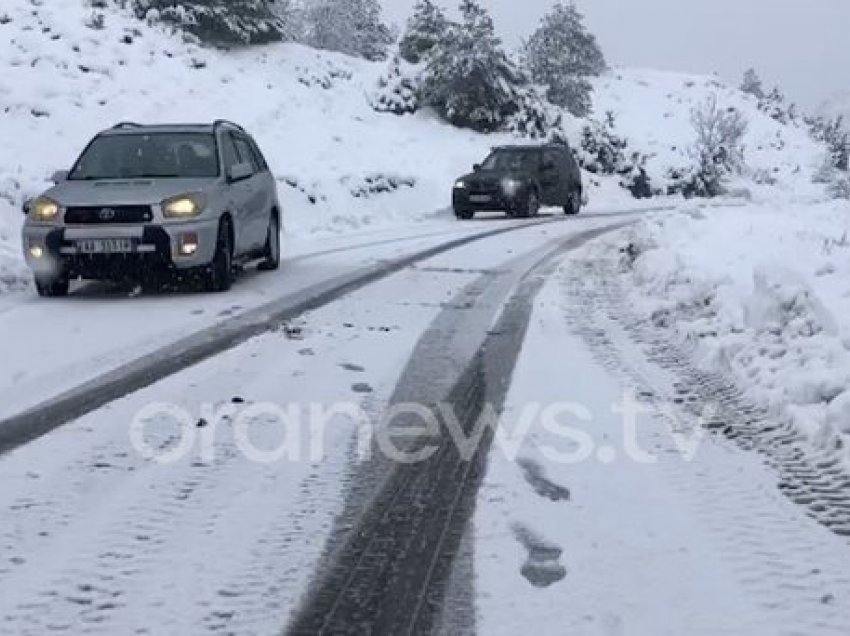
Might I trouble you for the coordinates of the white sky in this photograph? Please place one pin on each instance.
(803, 45)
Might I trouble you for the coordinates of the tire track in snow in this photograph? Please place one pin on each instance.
(795, 570)
(390, 568)
(20, 429)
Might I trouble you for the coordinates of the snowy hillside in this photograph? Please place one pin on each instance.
(340, 165)
(652, 109)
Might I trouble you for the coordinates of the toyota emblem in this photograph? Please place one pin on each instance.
(106, 214)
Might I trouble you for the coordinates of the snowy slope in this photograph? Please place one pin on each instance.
(652, 109)
(63, 78)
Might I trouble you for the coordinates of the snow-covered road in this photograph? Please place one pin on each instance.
(263, 487)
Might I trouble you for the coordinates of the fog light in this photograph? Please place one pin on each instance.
(188, 243)
(36, 251)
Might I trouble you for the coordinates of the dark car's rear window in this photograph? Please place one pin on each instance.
(148, 155)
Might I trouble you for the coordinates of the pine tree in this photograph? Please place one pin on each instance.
(353, 27)
(220, 21)
(425, 29)
(561, 54)
(469, 79)
(752, 84)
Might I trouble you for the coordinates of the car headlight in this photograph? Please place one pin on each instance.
(185, 206)
(460, 184)
(44, 209)
(511, 186)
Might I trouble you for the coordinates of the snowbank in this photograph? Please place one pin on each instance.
(761, 293)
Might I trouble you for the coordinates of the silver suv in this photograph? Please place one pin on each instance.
(142, 200)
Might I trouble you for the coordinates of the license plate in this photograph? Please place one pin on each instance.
(479, 198)
(105, 246)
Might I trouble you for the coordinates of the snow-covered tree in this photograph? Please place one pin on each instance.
(718, 151)
(561, 54)
(469, 79)
(220, 21)
(425, 29)
(752, 84)
(353, 27)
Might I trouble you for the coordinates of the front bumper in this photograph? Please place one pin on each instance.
(155, 248)
(463, 199)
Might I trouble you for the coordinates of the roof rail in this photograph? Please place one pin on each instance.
(227, 122)
(126, 124)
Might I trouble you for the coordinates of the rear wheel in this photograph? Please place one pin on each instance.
(271, 252)
(573, 205)
(219, 273)
(52, 286)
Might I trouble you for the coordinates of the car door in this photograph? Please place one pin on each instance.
(256, 204)
(237, 193)
(554, 178)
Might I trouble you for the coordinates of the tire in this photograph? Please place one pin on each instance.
(464, 215)
(53, 286)
(573, 205)
(532, 204)
(271, 251)
(219, 273)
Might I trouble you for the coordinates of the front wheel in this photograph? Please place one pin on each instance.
(271, 252)
(532, 204)
(219, 273)
(573, 205)
(52, 286)
(464, 215)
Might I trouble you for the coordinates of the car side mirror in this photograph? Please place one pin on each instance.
(240, 171)
(59, 176)
(476, 167)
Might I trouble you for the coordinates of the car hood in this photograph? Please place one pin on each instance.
(493, 176)
(124, 191)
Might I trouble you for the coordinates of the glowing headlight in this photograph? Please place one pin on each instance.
(183, 207)
(44, 209)
(510, 186)
(459, 184)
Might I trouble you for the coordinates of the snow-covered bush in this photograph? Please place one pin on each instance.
(560, 55)
(777, 108)
(718, 151)
(353, 27)
(425, 29)
(398, 89)
(535, 117)
(219, 21)
(839, 187)
(604, 152)
(469, 79)
(751, 84)
(373, 184)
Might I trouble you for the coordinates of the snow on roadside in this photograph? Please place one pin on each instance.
(759, 293)
(577, 533)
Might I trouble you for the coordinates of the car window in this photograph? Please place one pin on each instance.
(148, 155)
(246, 155)
(553, 156)
(228, 151)
(512, 160)
(258, 156)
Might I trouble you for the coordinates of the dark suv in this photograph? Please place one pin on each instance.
(519, 180)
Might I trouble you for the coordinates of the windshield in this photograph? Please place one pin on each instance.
(159, 155)
(512, 160)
